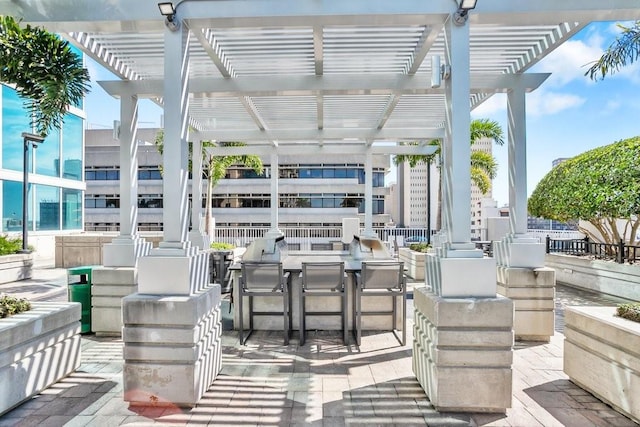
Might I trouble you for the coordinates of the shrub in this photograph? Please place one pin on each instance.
(9, 245)
(630, 311)
(221, 246)
(11, 305)
(419, 247)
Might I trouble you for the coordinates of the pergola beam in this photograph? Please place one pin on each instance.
(346, 84)
(315, 135)
(321, 150)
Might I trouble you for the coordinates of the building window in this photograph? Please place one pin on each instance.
(150, 201)
(72, 134)
(71, 209)
(14, 121)
(149, 174)
(102, 201)
(11, 206)
(47, 207)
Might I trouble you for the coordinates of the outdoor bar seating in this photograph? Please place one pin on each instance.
(380, 278)
(323, 279)
(265, 279)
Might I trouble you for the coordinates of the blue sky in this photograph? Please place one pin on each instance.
(570, 113)
(567, 115)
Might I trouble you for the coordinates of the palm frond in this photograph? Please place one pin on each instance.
(623, 51)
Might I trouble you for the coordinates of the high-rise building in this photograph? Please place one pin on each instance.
(410, 202)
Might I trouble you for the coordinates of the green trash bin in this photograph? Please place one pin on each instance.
(79, 281)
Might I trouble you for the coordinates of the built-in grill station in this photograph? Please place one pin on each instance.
(267, 249)
(362, 247)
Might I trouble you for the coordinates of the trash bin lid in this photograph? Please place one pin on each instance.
(83, 269)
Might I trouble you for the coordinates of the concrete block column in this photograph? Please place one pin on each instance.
(109, 286)
(532, 292)
(463, 351)
(173, 346)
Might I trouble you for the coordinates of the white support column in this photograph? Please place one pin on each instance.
(172, 326)
(197, 236)
(125, 249)
(173, 267)
(459, 306)
(518, 249)
(458, 135)
(517, 161)
(368, 195)
(176, 131)
(274, 231)
(521, 272)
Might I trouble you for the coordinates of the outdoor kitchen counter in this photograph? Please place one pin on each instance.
(293, 264)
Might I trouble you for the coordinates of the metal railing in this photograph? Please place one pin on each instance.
(619, 252)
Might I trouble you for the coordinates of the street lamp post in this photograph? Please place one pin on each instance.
(29, 139)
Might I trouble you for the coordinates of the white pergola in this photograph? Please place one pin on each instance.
(321, 76)
(325, 76)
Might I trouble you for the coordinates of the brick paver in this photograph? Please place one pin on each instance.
(323, 383)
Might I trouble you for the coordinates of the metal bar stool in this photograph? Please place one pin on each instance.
(263, 279)
(380, 278)
(322, 279)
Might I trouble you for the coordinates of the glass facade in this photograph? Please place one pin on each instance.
(71, 209)
(72, 132)
(48, 155)
(11, 206)
(14, 121)
(51, 206)
(47, 207)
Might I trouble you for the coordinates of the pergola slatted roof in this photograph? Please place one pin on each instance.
(328, 41)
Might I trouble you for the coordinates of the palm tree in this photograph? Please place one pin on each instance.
(623, 51)
(483, 165)
(46, 73)
(215, 167)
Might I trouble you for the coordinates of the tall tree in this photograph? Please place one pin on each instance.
(622, 52)
(483, 165)
(600, 186)
(46, 73)
(215, 167)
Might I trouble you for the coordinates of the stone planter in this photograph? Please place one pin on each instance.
(414, 262)
(37, 349)
(15, 267)
(596, 275)
(601, 356)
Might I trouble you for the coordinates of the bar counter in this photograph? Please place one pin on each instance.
(293, 264)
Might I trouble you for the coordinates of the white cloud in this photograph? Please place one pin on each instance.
(542, 103)
(570, 61)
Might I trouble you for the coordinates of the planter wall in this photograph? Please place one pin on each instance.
(609, 277)
(15, 267)
(602, 355)
(37, 349)
(86, 249)
(413, 262)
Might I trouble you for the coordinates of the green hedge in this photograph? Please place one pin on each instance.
(10, 246)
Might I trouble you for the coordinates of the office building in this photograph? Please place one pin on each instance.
(56, 183)
(313, 191)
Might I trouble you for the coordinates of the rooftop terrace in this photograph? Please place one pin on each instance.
(323, 383)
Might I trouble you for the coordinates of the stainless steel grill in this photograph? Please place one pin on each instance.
(368, 248)
(267, 249)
